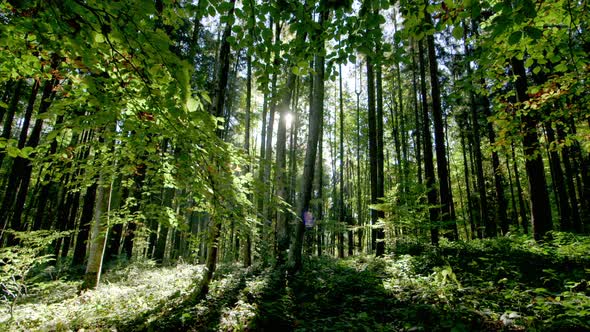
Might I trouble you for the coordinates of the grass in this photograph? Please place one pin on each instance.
(507, 284)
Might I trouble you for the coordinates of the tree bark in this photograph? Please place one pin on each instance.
(315, 120)
(537, 183)
(97, 242)
(446, 201)
(429, 179)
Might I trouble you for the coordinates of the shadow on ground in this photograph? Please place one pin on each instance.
(328, 295)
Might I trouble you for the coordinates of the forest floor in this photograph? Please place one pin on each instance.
(508, 284)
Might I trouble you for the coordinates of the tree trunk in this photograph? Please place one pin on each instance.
(97, 242)
(283, 235)
(559, 182)
(380, 232)
(570, 175)
(248, 245)
(446, 201)
(521, 205)
(315, 121)
(429, 179)
(319, 188)
(215, 227)
(538, 195)
(501, 203)
(360, 221)
(7, 128)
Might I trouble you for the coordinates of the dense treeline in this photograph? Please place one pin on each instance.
(264, 131)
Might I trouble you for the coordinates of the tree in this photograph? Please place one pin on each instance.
(315, 120)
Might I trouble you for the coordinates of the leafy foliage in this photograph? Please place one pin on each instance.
(17, 263)
(134, 288)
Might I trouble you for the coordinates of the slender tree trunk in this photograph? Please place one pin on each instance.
(521, 205)
(559, 183)
(7, 127)
(373, 171)
(431, 194)
(380, 234)
(269, 198)
(569, 176)
(97, 242)
(22, 168)
(248, 245)
(481, 198)
(283, 235)
(467, 184)
(417, 122)
(315, 121)
(138, 180)
(116, 231)
(446, 200)
(513, 210)
(160, 249)
(215, 227)
(319, 180)
(359, 209)
(341, 200)
(84, 229)
(501, 203)
(537, 183)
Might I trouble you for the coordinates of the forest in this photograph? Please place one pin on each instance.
(295, 165)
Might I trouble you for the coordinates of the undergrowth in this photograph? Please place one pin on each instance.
(505, 284)
(122, 294)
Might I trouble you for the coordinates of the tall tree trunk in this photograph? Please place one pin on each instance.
(380, 234)
(373, 171)
(429, 179)
(467, 182)
(269, 200)
(116, 231)
(319, 189)
(570, 175)
(501, 203)
(341, 200)
(446, 201)
(215, 227)
(360, 221)
(138, 180)
(97, 242)
(513, 210)
(315, 121)
(521, 206)
(537, 183)
(7, 127)
(22, 168)
(559, 182)
(84, 229)
(417, 122)
(248, 245)
(283, 235)
(475, 139)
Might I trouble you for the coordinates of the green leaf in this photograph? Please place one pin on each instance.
(458, 32)
(12, 151)
(561, 68)
(515, 38)
(99, 38)
(534, 33)
(192, 104)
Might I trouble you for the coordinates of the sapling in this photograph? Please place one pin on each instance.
(16, 263)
